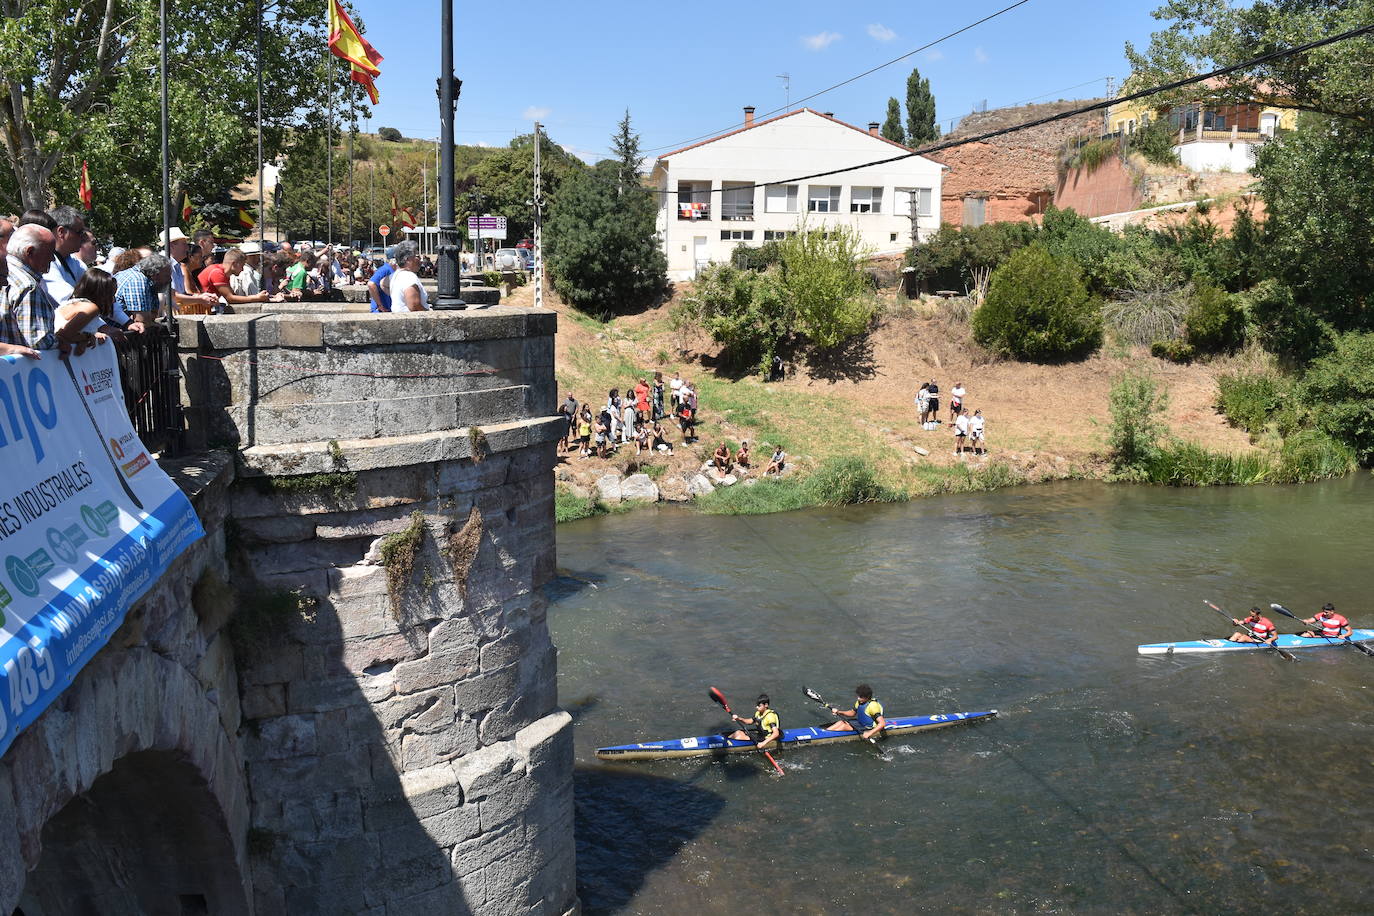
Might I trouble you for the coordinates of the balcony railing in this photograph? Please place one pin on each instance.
(150, 375)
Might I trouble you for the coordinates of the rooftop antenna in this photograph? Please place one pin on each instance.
(787, 88)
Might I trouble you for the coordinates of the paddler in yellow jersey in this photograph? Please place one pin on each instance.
(866, 717)
(765, 722)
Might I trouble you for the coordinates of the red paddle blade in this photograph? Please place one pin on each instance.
(719, 697)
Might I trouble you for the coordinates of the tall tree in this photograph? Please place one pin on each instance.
(892, 126)
(604, 252)
(920, 110)
(503, 183)
(80, 81)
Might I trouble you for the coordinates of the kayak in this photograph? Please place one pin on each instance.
(1286, 641)
(708, 745)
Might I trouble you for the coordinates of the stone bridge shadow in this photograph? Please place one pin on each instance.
(628, 825)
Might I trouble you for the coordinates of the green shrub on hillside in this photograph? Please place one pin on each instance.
(1135, 402)
(1215, 322)
(824, 284)
(1249, 398)
(1311, 454)
(748, 312)
(1038, 309)
(1338, 389)
(1154, 312)
(1155, 141)
(1174, 350)
(751, 257)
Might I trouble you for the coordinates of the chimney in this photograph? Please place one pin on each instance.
(828, 114)
(873, 128)
(748, 115)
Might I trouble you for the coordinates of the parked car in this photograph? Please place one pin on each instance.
(528, 255)
(508, 259)
(525, 243)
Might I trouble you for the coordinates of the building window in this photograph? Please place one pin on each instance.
(865, 200)
(736, 200)
(823, 198)
(777, 235)
(892, 237)
(694, 200)
(737, 235)
(780, 198)
(925, 200)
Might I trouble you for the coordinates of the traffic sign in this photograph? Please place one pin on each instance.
(383, 230)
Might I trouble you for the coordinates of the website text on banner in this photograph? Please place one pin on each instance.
(88, 522)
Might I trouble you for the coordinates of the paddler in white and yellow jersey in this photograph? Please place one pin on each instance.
(765, 721)
(866, 717)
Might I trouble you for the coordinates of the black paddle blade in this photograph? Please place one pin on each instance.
(813, 695)
(1284, 611)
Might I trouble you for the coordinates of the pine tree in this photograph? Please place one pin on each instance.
(892, 127)
(920, 111)
(625, 145)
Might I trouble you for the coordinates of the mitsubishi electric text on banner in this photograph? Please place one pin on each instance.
(88, 522)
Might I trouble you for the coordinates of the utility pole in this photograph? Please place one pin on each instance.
(1107, 112)
(449, 88)
(538, 224)
(424, 182)
(787, 88)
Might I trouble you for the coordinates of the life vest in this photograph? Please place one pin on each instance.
(766, 723)
(1332, 624)
(866, 714)
(1260, 629)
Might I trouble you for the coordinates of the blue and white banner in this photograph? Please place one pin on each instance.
(88, 522)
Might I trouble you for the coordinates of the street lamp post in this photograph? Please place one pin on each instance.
(449, 87)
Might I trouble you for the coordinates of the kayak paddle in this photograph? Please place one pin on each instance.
(1286, 654)
(813, 695)
(1315, 627)
(719, 697)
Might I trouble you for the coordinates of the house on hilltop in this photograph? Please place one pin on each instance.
(1010, 178)
(747, 187)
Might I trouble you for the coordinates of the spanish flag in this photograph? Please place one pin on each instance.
(185, 206)
(347, 43)
(246, 219)
(85, 190)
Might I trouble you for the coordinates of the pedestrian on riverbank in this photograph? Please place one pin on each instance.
(675, 392)
(642, 402)
(976, 434)
(569, 411)
(584, 430)
(777, 462)
(742, 456)
(933, 402)
(960, 432)
(956, 401)
(658, 438)
(603, 432)
(628, 422)
(923, 404)
(720, 459)
(656, 397)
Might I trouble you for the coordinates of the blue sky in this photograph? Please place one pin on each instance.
(687, 73)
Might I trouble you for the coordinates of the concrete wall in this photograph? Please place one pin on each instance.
(353, 735)
(1218, 156)
(1112, 187)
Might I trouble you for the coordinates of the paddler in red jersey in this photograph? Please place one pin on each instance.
(1255, 628)
(1327, 623)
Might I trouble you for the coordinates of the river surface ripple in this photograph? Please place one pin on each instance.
(1111, 782)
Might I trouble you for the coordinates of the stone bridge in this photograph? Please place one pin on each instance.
(343, 699)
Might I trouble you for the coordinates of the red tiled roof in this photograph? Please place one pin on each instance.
(740, 130)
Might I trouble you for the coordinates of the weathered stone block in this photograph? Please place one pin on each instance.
(435, 669)
(283, 736)
(316, 696)
(486, 691)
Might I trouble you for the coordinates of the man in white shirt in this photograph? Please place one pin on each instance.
(674, 390)
(66, 268)
(248, 282)
(956, 401)
(961, 426)
(975, 432)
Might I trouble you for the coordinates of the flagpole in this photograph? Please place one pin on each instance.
(262, 209)
(329, 148)
(166, 177)
(353, 129)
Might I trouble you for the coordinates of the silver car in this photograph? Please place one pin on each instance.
(508, 259)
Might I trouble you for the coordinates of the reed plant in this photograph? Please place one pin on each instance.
(1311, 454)
(1189, 464)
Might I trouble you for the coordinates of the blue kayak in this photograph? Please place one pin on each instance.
(707, 745)
(1286, 641)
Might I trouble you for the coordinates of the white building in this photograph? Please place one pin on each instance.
(747, 186)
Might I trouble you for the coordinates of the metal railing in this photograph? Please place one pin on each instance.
(150, 375)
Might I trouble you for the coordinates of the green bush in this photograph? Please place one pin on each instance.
(748, 312)
(1155, 141)
(1135, 402)
(1215, 321)
(1338, 389)
(1187, 464)
(1249, 398)
(1289, 328)
(848, 482)
(824, 285)
(569, 507)
(1090, 246)
(837, 482)
(390, 134)
(1175, 351)
(1153, 313)
(748, 257)
(1038, 309)
(1311, 454)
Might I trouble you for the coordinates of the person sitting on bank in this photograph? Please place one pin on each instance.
(776, 463)
(742, 456)
(721, 458)
(866, 717)
(658, 438)
(1255, 628)
(1327, 623)
(767, 728)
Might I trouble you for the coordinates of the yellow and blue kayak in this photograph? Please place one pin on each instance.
(708, 745)
(1286, 641)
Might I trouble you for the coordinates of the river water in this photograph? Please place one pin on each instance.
(1110, 782)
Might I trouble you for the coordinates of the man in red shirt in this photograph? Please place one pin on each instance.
(1327, 623)
(1255, 628)
(215, 279)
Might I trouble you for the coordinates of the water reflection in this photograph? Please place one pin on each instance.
(1111, 783)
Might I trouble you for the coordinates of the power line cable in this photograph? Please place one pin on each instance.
(846, 82)
(1064, 115)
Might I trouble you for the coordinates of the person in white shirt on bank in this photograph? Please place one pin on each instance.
(961, 425)
(407, 293)
(956, 401)
(976, 435)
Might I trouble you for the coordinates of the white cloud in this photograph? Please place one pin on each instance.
(537, 113)
(933, 55)
(980, 55)
(821, 40)
(879, 32)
